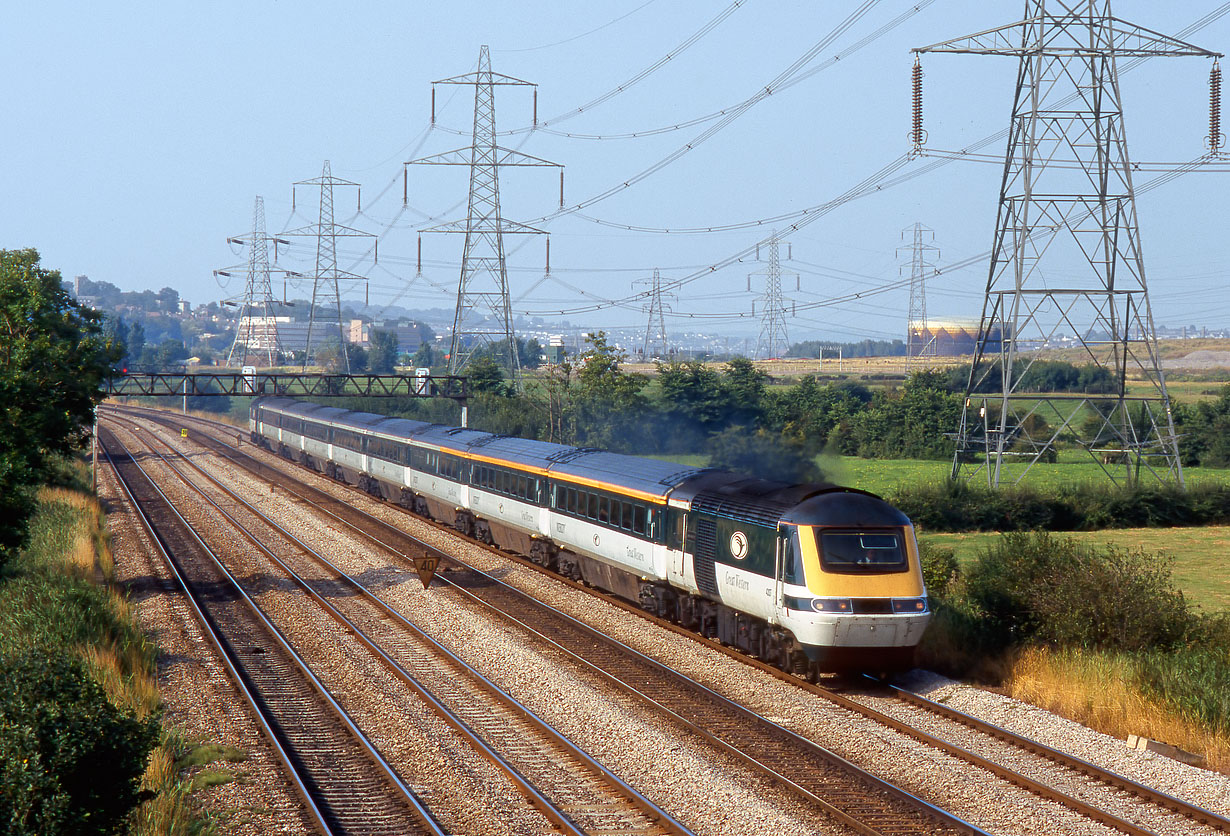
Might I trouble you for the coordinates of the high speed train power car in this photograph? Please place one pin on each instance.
(814, 578)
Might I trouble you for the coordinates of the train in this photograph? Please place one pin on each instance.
(814, 578)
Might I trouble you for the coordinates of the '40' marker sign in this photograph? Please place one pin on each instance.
(426, 567)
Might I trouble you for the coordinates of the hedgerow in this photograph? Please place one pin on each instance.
(960, 506)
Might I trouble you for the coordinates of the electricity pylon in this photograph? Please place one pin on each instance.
(773, 341)
(327, 279)
(655, 330)
(255, 337)
(1066, 265)
(919, 340)
(483, 315)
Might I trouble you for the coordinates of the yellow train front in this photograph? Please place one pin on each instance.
(817, 578)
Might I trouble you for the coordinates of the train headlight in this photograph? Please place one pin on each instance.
(909, 605)
(832, 605)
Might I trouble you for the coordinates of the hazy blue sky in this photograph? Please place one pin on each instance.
(137, 135)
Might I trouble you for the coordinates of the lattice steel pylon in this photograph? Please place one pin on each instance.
(327, 278)
(255, 338)
(774, 341)
(1066, 264)
(655, 330)
(483, 315)
(919, 341)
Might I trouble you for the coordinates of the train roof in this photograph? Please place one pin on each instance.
(845, 507)
(361, 420)
(523, 451)
(450, 438)
(650, 476)
(402, 427)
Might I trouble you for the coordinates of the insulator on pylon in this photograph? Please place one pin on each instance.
(917, 134)
(1215, 139)
(418, 271)
(548, 270)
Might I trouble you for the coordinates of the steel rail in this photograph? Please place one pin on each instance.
(1092, 771)
(941, 817)
(423, 818)
(548, 807)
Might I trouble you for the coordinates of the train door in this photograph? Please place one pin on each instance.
(784, 557)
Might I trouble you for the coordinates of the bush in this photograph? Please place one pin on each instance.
(1037, 588)
(70, 762)
(939, 568)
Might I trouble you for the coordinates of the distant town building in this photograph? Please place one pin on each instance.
(409, 334)
(554, 353)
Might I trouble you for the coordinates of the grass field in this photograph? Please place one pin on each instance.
(882, 476)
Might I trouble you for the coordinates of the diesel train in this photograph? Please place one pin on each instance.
(813, 578)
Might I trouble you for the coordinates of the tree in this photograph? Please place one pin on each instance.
(115, 333)
(135, 342)
(329, 356)
(168, 299)
(426, 357)
(486, 376)
(810, 410)
(382, 355)
(745, 387)
(53, 359)
(609, 407)
(169, 353)
(693, 392)
(70, 761)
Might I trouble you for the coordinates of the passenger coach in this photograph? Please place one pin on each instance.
(813, 577)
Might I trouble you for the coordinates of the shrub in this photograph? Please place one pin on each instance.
(939, 568)
(1052, 590)
(70, 762)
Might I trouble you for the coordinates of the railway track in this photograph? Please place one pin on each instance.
(843, 791)
(345, 784)
(571, 789)
(1160, 809)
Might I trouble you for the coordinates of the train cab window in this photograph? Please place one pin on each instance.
(792, 559)
(859, 551)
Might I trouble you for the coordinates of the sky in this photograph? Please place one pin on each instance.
(137, 136)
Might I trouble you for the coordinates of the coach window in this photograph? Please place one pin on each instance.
(638, 520)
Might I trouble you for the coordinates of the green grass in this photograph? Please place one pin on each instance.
(883, 476)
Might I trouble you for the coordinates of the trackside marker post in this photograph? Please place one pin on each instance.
(426, 567)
